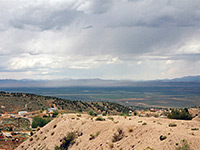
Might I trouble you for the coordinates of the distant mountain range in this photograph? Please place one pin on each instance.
(98, 82)
(188, 79)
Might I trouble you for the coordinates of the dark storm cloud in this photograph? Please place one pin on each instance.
(54, 20)
(46, 15)
(43, 16)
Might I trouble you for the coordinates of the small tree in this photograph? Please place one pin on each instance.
(104, 114)
(91, 113)
(182, 114)
(55, 113)
(38, 121)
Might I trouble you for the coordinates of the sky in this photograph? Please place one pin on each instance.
(107, 39)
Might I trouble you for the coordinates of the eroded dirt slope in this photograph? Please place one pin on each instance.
(139, 133)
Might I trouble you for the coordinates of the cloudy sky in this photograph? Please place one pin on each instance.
(108, 39)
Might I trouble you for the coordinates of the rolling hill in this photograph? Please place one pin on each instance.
(14, 102)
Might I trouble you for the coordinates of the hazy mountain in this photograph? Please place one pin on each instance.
(63, 83)
(188, 79)
(98, 82)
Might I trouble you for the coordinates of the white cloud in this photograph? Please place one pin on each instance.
(190, 47)
(47, 37)
(56, 62)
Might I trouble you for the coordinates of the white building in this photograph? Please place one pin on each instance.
(21, 113)
(52, 109)
(8, 135)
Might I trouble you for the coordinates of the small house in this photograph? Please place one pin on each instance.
(50, 110)
(21, 113)
(8, 135)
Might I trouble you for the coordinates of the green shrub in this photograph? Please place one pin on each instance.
(116, 122)
(156, 115)
(124, 114)
(195, 129)
(91, 113)
(56, 147)
(100, 119)
(92, 136)
(68, 140)
(172, 125)
(181, 114)
(38, 121)
(144, 123)
(159, 123)
(162, 137)
(118, 136)
(55, 113)
(78, 115)
(110, 118)
(97, 133)
(104, 114)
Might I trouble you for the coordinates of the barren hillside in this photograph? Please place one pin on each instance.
(116, 132)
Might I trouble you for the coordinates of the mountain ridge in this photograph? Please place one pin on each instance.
(91, 82)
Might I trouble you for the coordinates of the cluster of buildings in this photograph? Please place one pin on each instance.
(26, 113)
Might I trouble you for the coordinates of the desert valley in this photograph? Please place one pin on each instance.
(99, 75)
(50, 123)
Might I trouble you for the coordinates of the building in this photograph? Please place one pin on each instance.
(52, 109)
(8, 135)
(21, 113)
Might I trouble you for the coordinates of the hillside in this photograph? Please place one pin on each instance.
(116, 132)
(14, 102)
